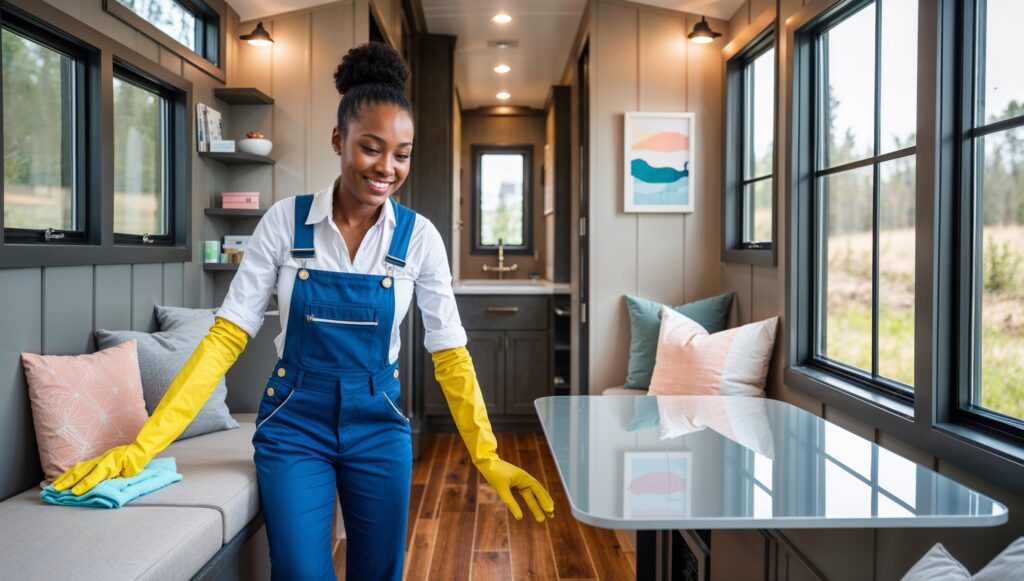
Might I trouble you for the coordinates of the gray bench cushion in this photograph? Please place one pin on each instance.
(41, 541)
(218, 473)
(623, 391)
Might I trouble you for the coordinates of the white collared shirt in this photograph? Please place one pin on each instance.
(268, 262)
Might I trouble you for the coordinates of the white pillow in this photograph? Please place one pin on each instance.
(692, 362)
(937, 565)
(1007, 565)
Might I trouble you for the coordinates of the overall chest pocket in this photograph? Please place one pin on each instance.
(338, 335)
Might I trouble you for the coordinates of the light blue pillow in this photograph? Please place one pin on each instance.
(645, 414)
(644, 323)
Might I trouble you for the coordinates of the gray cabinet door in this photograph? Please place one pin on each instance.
(527, 370)
(487, 350)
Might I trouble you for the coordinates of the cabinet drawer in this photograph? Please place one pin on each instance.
(486, 312)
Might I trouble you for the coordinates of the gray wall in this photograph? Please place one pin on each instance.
(854, 554)
(641, 62)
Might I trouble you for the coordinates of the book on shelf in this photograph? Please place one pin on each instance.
(208, 127)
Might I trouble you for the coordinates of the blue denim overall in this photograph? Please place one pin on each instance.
(329, 420)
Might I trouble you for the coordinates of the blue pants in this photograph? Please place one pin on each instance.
(317, 433)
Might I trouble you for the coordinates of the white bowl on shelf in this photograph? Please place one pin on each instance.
(255, 146)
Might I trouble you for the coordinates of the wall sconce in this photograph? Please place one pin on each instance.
(702, 33)
(258, 37)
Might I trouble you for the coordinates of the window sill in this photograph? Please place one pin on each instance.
(988, 456)
(756, 257)
(837, 391)
(37, 255)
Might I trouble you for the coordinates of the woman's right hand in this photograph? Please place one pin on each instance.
(118, 462)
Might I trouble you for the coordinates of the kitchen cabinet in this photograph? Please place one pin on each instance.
(509, 339)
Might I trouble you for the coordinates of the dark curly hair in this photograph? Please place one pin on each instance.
(371, 73)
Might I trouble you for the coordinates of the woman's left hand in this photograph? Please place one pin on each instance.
(505, 478)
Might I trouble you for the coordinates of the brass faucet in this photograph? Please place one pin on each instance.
(501, 269)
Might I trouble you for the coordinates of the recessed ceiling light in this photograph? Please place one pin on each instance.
(502, 69)
(503, 95)
(502, 18)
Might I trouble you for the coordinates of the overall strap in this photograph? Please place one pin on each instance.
(404, 221)
(302, 245)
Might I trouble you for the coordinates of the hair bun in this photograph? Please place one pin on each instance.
(373, 63)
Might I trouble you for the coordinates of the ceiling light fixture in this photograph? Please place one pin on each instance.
(258, 37)
(702, 33)
(504, 96)
(502, 18)
(502, 69)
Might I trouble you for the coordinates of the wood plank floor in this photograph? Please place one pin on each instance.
(459, 530)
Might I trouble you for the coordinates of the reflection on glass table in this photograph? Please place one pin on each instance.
(709, 462)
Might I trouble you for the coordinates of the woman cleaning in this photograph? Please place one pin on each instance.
(345, 262)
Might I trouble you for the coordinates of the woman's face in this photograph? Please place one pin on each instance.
(375, 151)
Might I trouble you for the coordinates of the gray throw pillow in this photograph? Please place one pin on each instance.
(645, 322)
(164, 353)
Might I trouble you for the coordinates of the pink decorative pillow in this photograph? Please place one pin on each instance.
(83, 405)
(692, 362)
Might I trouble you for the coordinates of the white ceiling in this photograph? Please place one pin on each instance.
(544, 29)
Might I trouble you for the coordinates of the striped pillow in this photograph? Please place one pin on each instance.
(692, 362)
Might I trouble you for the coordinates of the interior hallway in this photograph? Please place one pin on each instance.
(459, 529)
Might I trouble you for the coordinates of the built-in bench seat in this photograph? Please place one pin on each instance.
(172, 533)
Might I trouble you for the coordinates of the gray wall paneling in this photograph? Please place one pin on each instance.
(67, 310)
(21, 330)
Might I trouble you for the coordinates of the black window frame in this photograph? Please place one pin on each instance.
(734, 249)
(171, 120)
(100, 247)
(527, 152)
(817, 168)
(211, 37)
(966, 257)
(85, 95)
(932, 422)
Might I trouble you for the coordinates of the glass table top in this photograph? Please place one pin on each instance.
(705, 462)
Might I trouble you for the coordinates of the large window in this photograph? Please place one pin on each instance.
(43, 187)
(993, 157)
(905, 278)
(95, 146)
(191, 23)
(750, 133)
(864, 98)
(142, 118)
(501, 198)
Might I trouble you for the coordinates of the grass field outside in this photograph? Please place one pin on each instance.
(848, 338)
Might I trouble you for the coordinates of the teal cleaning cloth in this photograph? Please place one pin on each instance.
(116, 492)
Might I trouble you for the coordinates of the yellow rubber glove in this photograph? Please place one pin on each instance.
(453, 369)
(183, 400)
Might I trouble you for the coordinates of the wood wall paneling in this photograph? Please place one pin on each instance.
(703, 227)
(612, 234)
(291, 91)
(332, 36)
(662, 86)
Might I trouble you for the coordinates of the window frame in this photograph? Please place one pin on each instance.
(733, 248)
(171, 120)
(931, 423)
(101, 247)
(967, 256)
(527, 152)
(211, 33)
(85, 228)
